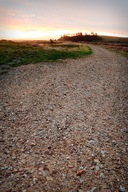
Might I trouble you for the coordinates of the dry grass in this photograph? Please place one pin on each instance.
(121, 48)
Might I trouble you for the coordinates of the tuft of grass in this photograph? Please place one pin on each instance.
(21, 53)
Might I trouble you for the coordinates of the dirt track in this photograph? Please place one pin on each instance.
(64, 126)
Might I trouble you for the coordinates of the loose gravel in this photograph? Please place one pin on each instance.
(64, 125)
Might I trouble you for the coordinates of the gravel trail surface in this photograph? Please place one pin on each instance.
(64, 125)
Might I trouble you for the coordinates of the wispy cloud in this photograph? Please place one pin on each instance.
(11, 14)
(27, 16)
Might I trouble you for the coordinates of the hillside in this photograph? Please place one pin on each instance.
(94, 38)
(114, 39)
(77, 38)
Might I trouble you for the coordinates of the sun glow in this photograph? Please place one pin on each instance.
(24, 34)
(44, 34)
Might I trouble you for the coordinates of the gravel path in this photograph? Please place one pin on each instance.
(64, 126)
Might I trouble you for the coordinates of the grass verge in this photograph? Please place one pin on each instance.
(21, 53)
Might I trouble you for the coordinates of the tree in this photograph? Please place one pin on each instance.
(79, 34)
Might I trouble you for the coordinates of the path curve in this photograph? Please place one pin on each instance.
(64, 126)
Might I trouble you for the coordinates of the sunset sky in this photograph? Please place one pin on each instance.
(45, 19)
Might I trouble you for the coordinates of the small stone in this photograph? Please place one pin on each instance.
(49, 178)
(48, 152)
(102, 175)
(121, 189)
(34, 180)
(81, 168)
(33, 144)
(15, 169)
(96, 173)
(102, 152)
(91, 141)
(96, 161)
(88, 158)
(70, 166)
(93, 189)
(79, 172)
(81, 181)
(44, 173)
(92, 168)
(22, 150)
(101, 166)
(14, 157)
(21, 169)
(97, 168)
(25, 175)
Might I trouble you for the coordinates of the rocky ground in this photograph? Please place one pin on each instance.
(64, 125)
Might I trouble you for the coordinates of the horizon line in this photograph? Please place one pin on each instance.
(41, 39)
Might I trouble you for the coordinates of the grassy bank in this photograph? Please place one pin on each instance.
(22, 53)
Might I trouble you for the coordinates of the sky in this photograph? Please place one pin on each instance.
(49, 19)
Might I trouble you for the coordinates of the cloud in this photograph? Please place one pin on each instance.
(11, 14)
(27, 16)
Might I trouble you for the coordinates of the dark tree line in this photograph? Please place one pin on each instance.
(79, 37)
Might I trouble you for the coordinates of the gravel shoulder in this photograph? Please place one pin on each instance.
(64, 125)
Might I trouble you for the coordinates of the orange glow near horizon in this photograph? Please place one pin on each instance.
(33, 34)
(45, 34)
